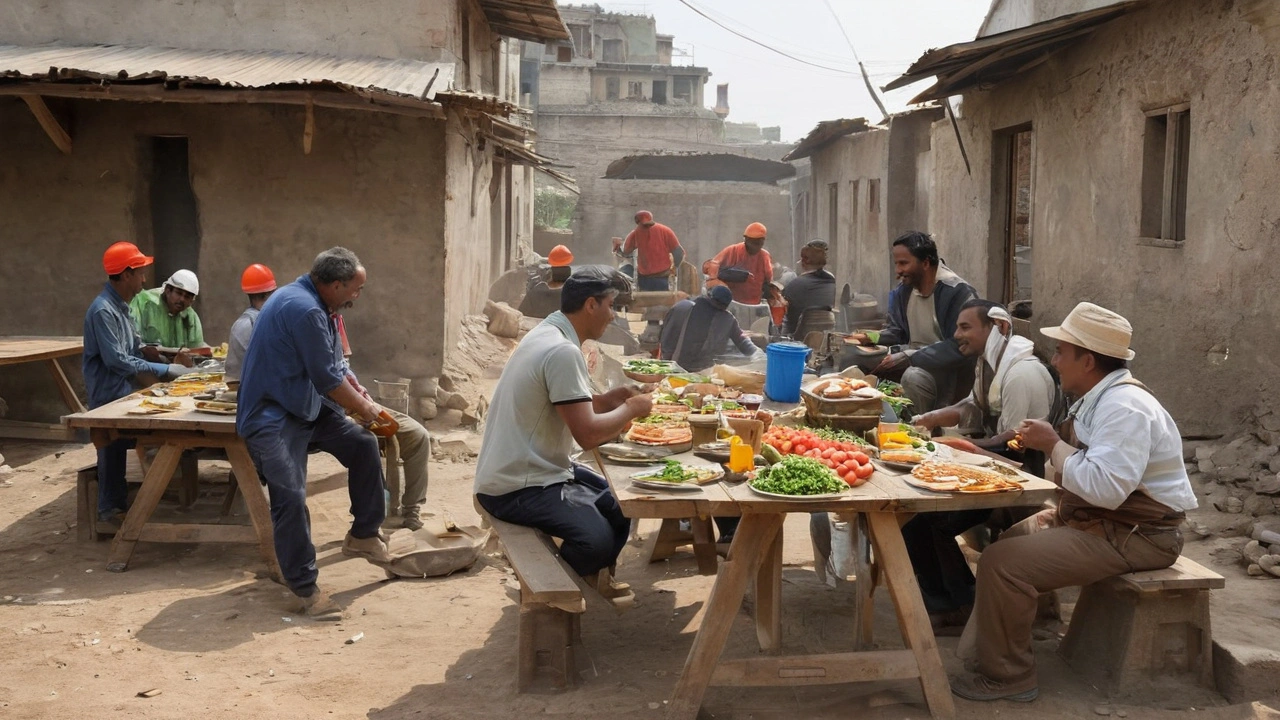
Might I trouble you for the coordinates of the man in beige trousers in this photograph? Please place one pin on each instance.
(1125, 492)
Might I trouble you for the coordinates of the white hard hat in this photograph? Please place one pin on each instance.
(184, 280)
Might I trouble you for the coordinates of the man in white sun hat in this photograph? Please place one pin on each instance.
(1125, 492)
(165, 317)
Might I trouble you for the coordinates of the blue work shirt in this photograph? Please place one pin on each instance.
(112, 350)
(291, 363)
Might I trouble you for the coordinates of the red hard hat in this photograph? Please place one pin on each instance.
(755, 231)
(560, 256)
(124, 255)
(257, 278)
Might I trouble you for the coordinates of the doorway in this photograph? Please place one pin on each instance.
(175, 217)
(1010, 257)
(660, 92)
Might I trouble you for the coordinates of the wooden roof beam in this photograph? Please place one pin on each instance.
(60, 137)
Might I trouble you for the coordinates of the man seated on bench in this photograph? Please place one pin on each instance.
(542, 404)
(1125, 492)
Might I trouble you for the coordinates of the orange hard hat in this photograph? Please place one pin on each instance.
(124, 255)
(257, 278)
(755, 231)
(560, 256)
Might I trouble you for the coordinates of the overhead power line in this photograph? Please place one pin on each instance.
(770, 48)
(865, 78)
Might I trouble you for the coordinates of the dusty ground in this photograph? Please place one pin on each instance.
(202, 625)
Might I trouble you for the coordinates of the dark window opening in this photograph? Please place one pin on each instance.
(611, 88)
(564, 53)
(683, 89)
(175, 219)
(1166, 147)
(660, 92)
(833, 212)
(635, 90)
(873, 195)
(613, 51)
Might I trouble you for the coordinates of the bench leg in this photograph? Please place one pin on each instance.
(546, 647)
(87, 504)
(1120, 639)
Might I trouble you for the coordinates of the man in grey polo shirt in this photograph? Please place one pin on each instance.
(542, 405)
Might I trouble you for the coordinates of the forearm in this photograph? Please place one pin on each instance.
(608, 401)
(604, 427)
(678, 255)
(353, 402)
(997, 442)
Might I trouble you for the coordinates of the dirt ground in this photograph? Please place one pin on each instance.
(202, 625)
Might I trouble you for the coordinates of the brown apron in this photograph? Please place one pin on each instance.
(1139, 514)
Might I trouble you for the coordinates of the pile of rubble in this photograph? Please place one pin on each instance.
(1240, 478)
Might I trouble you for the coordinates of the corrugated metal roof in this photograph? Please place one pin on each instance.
(1001, 56)
(231, 68)
(823, 133)
(534, 20)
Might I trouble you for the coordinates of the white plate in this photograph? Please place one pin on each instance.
(905, 467)
(780, 496)
(688, 486)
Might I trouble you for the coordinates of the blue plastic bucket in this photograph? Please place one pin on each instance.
(784, 370)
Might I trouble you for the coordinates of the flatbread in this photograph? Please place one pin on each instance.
(647, 434)
(955, 477)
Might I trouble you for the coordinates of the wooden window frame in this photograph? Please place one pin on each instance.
(1174, 178)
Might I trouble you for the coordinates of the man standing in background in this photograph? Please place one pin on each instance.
(658, 249)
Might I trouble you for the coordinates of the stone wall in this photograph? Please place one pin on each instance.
(373, 183)
(706, 216)
(1203, 312)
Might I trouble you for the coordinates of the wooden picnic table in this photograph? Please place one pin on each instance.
(173, 433)
(880, 506)
(18, 349)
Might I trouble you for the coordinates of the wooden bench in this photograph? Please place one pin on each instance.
(551, 606)
(87, 525)
(1132, 628)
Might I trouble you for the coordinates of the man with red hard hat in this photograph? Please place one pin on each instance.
(658, 249)
(745, 267)
(113, 363)
(258, 282)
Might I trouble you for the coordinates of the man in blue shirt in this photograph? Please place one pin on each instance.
(294, 395)
(113, 364)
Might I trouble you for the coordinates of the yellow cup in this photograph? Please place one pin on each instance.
(741, 458)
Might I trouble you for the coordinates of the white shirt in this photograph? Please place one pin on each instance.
(1021, 390)
(526, 442)
(1132, 443)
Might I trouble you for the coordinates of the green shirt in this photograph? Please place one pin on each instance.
(156, 325)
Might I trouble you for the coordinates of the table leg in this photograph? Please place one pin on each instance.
(768, 597)
(913, 619)
(246, 476)
(746, 554)
(667, 539)
(704, 545)
(64, 387)
(153, 487)
(864, 584)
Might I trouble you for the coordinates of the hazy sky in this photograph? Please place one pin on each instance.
(770, 89)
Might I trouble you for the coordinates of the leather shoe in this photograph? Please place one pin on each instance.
(983, 689)
(374, 549)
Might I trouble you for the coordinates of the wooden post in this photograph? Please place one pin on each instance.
(308, 128)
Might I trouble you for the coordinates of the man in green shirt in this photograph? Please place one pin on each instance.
(164, 315)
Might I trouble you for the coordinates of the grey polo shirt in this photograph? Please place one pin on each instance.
(526, 443)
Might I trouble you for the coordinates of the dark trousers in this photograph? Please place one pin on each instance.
(653, 282)
(593, 535)
(946, 583)
(113, 492)
(280, 456)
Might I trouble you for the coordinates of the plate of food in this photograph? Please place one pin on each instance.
(631, 454)
(675, 475)
(958, 477)
(215, 407)
(648, 371)
(798, 478)
(658, 429)
(155, 406)
(902, 459)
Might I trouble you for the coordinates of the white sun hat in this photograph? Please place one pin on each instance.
(1095, 328)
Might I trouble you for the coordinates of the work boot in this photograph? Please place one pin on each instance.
(950, 623)
(320, 606)
(411, 519)
(981, 688)
(374, 549)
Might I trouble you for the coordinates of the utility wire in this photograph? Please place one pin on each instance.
(770, 48)
(865, 78)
